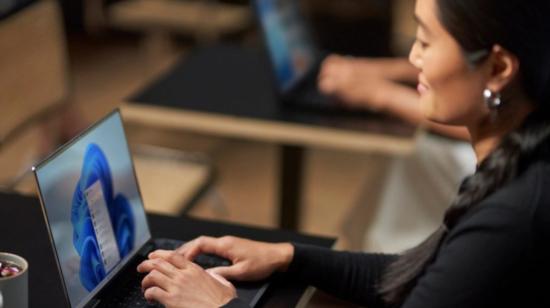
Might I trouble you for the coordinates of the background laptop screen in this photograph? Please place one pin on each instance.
(93, 207)
(290, 47)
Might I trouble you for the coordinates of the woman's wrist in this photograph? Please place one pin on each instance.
(285, 254)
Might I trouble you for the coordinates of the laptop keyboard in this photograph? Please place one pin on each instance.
(129, 294)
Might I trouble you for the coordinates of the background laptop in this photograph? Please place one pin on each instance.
(295, 58)
(97, 223)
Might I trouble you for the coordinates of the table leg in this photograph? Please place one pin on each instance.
(291, 164)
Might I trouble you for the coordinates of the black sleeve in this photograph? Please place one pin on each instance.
(347, 275)
(236, 303)
(477, 263)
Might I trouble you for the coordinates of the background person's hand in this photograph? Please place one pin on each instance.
(376, 85)
(174, 282)
(251, 260)
(365, 83)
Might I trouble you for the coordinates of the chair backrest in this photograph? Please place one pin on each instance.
(33, 84)
(33, 62)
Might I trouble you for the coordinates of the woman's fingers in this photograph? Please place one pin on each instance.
(171, 257)
(158, 252)
(204, 244)
(173, 281)
(192, 248)
(189, 287)
(220, 279)
(156, 294)
(195, 247)
(157, 264)
(233, 272)
(156, 279)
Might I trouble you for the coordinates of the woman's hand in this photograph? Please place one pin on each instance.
(251, 260)
(174, 281)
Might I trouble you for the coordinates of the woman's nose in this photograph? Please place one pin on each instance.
(414, 57)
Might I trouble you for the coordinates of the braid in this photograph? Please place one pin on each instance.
(515, 153)
(497, 169)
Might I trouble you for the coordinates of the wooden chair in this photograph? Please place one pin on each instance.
(33, 82)
(204, 20)
(172, 181)
(159, 20)
(34, 86)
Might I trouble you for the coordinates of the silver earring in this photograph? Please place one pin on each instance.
(493, 100)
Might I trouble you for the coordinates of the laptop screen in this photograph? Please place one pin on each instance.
(93, 206)
(290, 46)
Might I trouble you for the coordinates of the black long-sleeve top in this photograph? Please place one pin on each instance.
(498, 255)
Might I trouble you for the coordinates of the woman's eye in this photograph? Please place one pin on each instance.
(422, 43)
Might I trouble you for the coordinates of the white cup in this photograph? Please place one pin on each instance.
(14, 290)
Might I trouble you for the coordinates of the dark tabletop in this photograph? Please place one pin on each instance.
(236, 81)
(23, 232)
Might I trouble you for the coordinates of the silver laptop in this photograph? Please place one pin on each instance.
(97, 223)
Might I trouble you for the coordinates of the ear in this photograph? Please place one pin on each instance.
(504, 67)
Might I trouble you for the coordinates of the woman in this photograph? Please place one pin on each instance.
(407, 210)
(484, 64)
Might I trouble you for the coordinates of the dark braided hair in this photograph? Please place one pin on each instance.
(520, 27)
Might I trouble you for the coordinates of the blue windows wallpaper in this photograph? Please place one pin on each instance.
(85, 238)
(290, 46)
